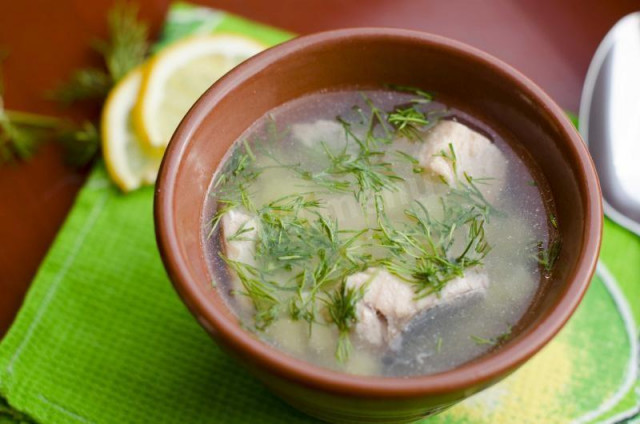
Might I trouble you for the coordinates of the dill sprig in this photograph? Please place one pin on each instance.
(547, 256)
(261, 293)
(127, 45)
(125, 48)
(408, 122)
(341, 307)
(22, 133)
(295, 239)
(232, 185)
(83, 84)
(415, 163)
(480, 341)
(363, 172)
(303, 258)
(423, 253)
(465, 190)
(79, 142)
(20, 137)
(421, 95)
(305, 251)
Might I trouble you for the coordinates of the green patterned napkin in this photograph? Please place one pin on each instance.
(103, 338)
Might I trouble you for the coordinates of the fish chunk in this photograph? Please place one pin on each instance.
(389, 304)
(243, 228)
(476, 156)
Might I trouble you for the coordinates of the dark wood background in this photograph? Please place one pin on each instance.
(551, 41)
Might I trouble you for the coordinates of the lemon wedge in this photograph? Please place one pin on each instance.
(128, 163)
(177, 76)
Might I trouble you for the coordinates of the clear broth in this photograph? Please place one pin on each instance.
(443, 337)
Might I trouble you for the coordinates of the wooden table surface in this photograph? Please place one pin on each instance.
(550, 41)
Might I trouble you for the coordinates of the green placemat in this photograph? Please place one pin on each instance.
(103, 338)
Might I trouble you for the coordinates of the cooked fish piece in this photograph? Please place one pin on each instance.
(242, 229)
(389, 304)
(475, 154)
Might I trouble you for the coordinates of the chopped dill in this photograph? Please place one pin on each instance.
(553, 220)
(302, 256)
(464, 191)
(421, 95)
(415, 163)
(293, 239)
(363, 172)
(262, 294)
(547, 257)
(407, 122)
(423, 253)
(232, 185)
(480, 341)
(341, 307)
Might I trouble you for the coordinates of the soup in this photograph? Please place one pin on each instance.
(379, 232)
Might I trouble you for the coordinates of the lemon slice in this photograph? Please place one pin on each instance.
(129, 165)
(176, 77)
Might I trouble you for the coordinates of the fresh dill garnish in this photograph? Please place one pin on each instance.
(126, 48)
(481, 340)
(127, 45)
(299, 247)
(341, 307)
(504, 336)
(294, 239)
(553, 220)
(232, 185)
(238, 235)
(547, 257)
(302, 258)
(407, 122)
(376, 119)
(261, 293)
(22, 133)
(363, 172)
(423, 252)
(84, 84)
(494, 340)
(415, 163)
(465, 191)
(421, 95)
(79, 142)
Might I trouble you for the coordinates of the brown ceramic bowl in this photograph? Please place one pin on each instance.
(372, 57)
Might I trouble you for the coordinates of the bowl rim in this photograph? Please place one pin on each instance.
(479, 371)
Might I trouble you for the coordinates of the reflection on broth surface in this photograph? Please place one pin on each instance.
(378, 232)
